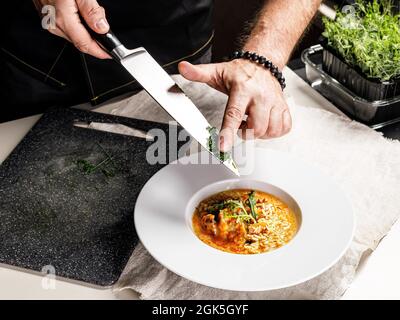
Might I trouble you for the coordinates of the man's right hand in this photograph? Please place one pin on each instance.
(70, 27)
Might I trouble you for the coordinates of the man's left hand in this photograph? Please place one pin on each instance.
(252, 91)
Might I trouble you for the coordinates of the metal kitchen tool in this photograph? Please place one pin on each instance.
(152, 77)
(56, 217)
(115, 128)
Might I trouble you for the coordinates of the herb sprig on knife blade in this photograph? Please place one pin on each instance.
(213, 145)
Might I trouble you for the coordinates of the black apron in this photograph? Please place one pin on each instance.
(39, 70)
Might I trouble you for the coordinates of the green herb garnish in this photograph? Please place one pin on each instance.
(232, 205)
(252, 203)
(216, 208)
(368, 38)
(236, 204)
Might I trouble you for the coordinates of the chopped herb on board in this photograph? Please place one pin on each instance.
(106, 166)
(85, 166)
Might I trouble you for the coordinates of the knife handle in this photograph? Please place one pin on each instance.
(108, 41)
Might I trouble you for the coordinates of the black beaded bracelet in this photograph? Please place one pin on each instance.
(252, 56)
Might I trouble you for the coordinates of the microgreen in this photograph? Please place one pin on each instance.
(233, 205)
(236, 204)
(213, 145)
(368, 38)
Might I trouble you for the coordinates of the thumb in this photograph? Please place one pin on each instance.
(206, 73)
(94, 15)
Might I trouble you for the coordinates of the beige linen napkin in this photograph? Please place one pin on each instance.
(360, 160)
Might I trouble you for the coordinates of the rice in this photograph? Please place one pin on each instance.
(238, 228)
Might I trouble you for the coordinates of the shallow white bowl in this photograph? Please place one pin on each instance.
(166, 204)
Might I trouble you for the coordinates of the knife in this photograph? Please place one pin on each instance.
(163, 89)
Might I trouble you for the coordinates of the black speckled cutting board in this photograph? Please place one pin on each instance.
(54, 214)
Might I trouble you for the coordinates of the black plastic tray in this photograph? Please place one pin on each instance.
(369, 89)
(376, 114)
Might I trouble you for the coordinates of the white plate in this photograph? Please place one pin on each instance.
(165, 206)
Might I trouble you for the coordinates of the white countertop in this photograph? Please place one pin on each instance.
(378, 277)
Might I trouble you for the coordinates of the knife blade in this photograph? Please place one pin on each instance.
(115, 128)
(164, 90)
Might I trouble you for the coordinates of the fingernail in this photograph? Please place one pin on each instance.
(224, 144)
(102, 25)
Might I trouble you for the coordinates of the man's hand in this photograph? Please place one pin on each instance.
(252, 90)
(69, 25)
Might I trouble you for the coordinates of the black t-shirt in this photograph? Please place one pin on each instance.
(170, 30)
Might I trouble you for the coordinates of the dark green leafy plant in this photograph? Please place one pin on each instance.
(368, 38)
